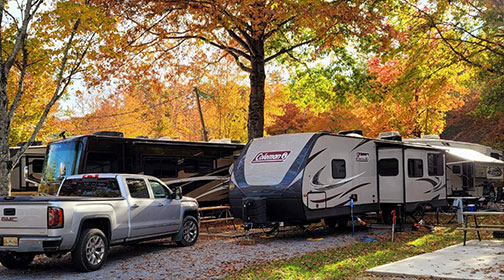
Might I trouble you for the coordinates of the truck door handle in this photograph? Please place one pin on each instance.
(134, 206)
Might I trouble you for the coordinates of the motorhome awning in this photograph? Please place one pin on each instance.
(468, 155)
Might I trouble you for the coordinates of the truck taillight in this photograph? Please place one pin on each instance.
(54, 217)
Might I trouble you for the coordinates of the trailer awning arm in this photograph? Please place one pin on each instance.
(468, 155)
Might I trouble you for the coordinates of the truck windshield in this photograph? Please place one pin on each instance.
(93, 187)
(57, 153)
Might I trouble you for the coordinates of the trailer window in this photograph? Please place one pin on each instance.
(338, 169)
(388, 167)
(137, 188)
(456, 169)
(435, 164)
(93, 187)
(37, 165)
(415, 167)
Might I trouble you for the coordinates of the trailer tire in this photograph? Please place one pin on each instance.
(13, 260)
(190, 231)
(340, 222)
(91, 251)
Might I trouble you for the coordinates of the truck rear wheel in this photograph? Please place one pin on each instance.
(190, 231)
(91, 250)
(13, 260)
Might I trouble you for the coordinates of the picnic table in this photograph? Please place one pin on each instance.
(214, 214)
(479, 227)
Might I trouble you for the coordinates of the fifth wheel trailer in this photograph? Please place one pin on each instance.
(32, 161)
(296, 179)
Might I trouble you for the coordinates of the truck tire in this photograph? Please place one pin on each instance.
(91, 250)
(13, 260)
(190, 231)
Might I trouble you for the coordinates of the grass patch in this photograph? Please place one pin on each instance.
(352, 260)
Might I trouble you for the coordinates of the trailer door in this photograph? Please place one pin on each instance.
(390, 175)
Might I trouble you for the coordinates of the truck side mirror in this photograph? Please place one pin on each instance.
(178, 193)
(26, 172)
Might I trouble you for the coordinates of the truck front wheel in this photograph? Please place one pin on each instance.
(13, 260)
(91, 250)
(190, 231)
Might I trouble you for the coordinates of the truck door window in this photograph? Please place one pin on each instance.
(137, 188)
(158, 190)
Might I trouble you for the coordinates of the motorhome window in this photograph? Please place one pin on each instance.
(161, 167)
(456, 169)
(435, 164)
(159, 190)
(415, 167)
(388, 167)
(93, 187)
(338, 169)
(495, 155)
(137, 188)
(198, 165)
(102, 163)
(37, 165)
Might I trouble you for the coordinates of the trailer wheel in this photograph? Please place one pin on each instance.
(341, 222)
(13, 260)
(91, 251)
(190, 231)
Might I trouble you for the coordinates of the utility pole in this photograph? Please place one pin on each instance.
(205, 135)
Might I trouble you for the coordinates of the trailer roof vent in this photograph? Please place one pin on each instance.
(390, 135)
(352, 132)
(430, 136)
(223, 140)
(109, 133)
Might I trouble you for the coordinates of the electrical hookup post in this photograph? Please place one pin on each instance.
(394, 218)
(352, 198)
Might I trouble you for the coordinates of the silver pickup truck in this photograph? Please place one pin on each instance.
(90, 213)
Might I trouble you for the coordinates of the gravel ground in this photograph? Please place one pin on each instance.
(161, 259)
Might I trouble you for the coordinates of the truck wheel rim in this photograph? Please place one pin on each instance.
(95, 250)
(190, 231)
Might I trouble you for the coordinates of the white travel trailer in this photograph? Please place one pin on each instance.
(295, 179)
(469, 166)
(32, 161)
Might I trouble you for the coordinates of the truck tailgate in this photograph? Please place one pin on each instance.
(23, 218)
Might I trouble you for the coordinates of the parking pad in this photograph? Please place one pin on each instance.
(476, 260)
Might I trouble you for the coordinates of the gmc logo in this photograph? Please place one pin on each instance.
(9, 219)
(264, 157)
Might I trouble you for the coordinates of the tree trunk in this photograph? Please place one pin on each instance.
(5, 161)
(257, 78)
